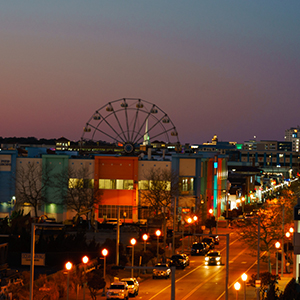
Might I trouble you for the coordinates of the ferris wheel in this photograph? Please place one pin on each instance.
(130, 122)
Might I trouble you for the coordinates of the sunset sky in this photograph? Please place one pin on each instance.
(230, 68)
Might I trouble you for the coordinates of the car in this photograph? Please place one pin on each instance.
(179, 261)
(186, 258)
(249, 215)
(133, 286)
(213, 258)
(199, 248)
(161, 270)
(209, 241)
(118, 290)
(216, 239)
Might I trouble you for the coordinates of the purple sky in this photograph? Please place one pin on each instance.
(230, 68)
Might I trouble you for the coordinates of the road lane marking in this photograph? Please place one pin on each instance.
(194, 271)
(255, 263)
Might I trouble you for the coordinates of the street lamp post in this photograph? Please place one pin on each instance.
(277, 246)
(158, 233)
(68, 266)
(182, 236)
(195, 218)
(85, 260)
(244, 278)
(237, 287)
(104, 253)
(145, 238)
(243, 204)
(189, 220)
(132, 242)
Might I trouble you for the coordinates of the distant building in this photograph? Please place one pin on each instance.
(63, 144)
(293, 135)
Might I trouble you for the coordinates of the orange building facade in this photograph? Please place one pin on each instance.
(117, 179)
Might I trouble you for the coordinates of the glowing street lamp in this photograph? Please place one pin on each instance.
(85, 260)
(244, 278)
(68, 266)
(211, 211)
(277, 246)
(104, 253)
(132, 242)
(145, 238)
(237, 287)
(158, 233)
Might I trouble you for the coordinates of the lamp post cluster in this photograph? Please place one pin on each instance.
(279, 245)
(189, 221)
(237, 286)
(85, 260)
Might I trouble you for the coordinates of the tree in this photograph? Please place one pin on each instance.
(268, 289)
(270, 230)
(270, 218)
(32, 182)
(77, 191)
(95, 282)
(160, 188)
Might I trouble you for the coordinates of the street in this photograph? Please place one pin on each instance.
(198, 281)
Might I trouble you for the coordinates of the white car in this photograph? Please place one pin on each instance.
(161, 270)
(133, 286)
(118, 290)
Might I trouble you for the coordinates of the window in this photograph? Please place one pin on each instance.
(79, 183)
(148, 184)
(186, 185)
(105, 184)
(111, 211)
(115, 184)
(143, 185)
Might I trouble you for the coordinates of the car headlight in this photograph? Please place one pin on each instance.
(218, 258)
(206, 259)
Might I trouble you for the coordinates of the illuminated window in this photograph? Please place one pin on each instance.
(80, 183)
(105, 184)
(143, 185)
(186, 185)
(115, 184)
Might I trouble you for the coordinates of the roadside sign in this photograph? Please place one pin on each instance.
(39, 259)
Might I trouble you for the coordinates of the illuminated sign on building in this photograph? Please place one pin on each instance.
(5, 163)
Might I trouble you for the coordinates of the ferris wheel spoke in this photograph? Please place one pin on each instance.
(113, 138)
(163, 132)
(153, 126)
(158, 121)
(135, 120)
(118, 121)
(126, 115)
(138, 132)
(104, 119)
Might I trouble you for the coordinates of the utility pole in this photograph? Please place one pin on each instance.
(174, 225)
(258, 253)
(118, 236)
(282, 242)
